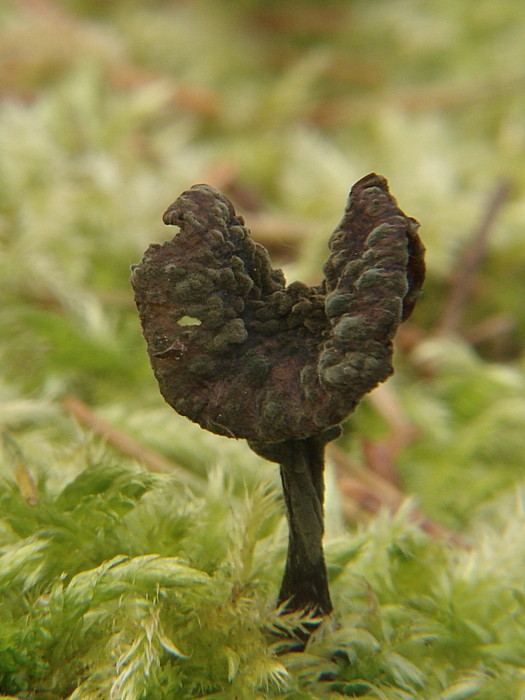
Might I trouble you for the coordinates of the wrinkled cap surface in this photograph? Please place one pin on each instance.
(244, 355)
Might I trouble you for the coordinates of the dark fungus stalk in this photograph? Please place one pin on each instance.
(244, 355)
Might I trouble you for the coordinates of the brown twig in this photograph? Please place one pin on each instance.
(464, 275)
(387, 403)
(496, 329)
(443, 96)
(380, 455)
(372, 492)
(23, 475)
(26, 483)
(126, 444)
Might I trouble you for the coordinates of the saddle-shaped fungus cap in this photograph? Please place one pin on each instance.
(244, 355)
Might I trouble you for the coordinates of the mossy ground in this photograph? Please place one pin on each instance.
(120, 583)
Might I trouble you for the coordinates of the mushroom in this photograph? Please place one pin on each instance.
(237, 350)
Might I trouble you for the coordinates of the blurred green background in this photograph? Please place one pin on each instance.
(108, 111)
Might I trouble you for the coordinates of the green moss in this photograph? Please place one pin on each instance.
(100, 126)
